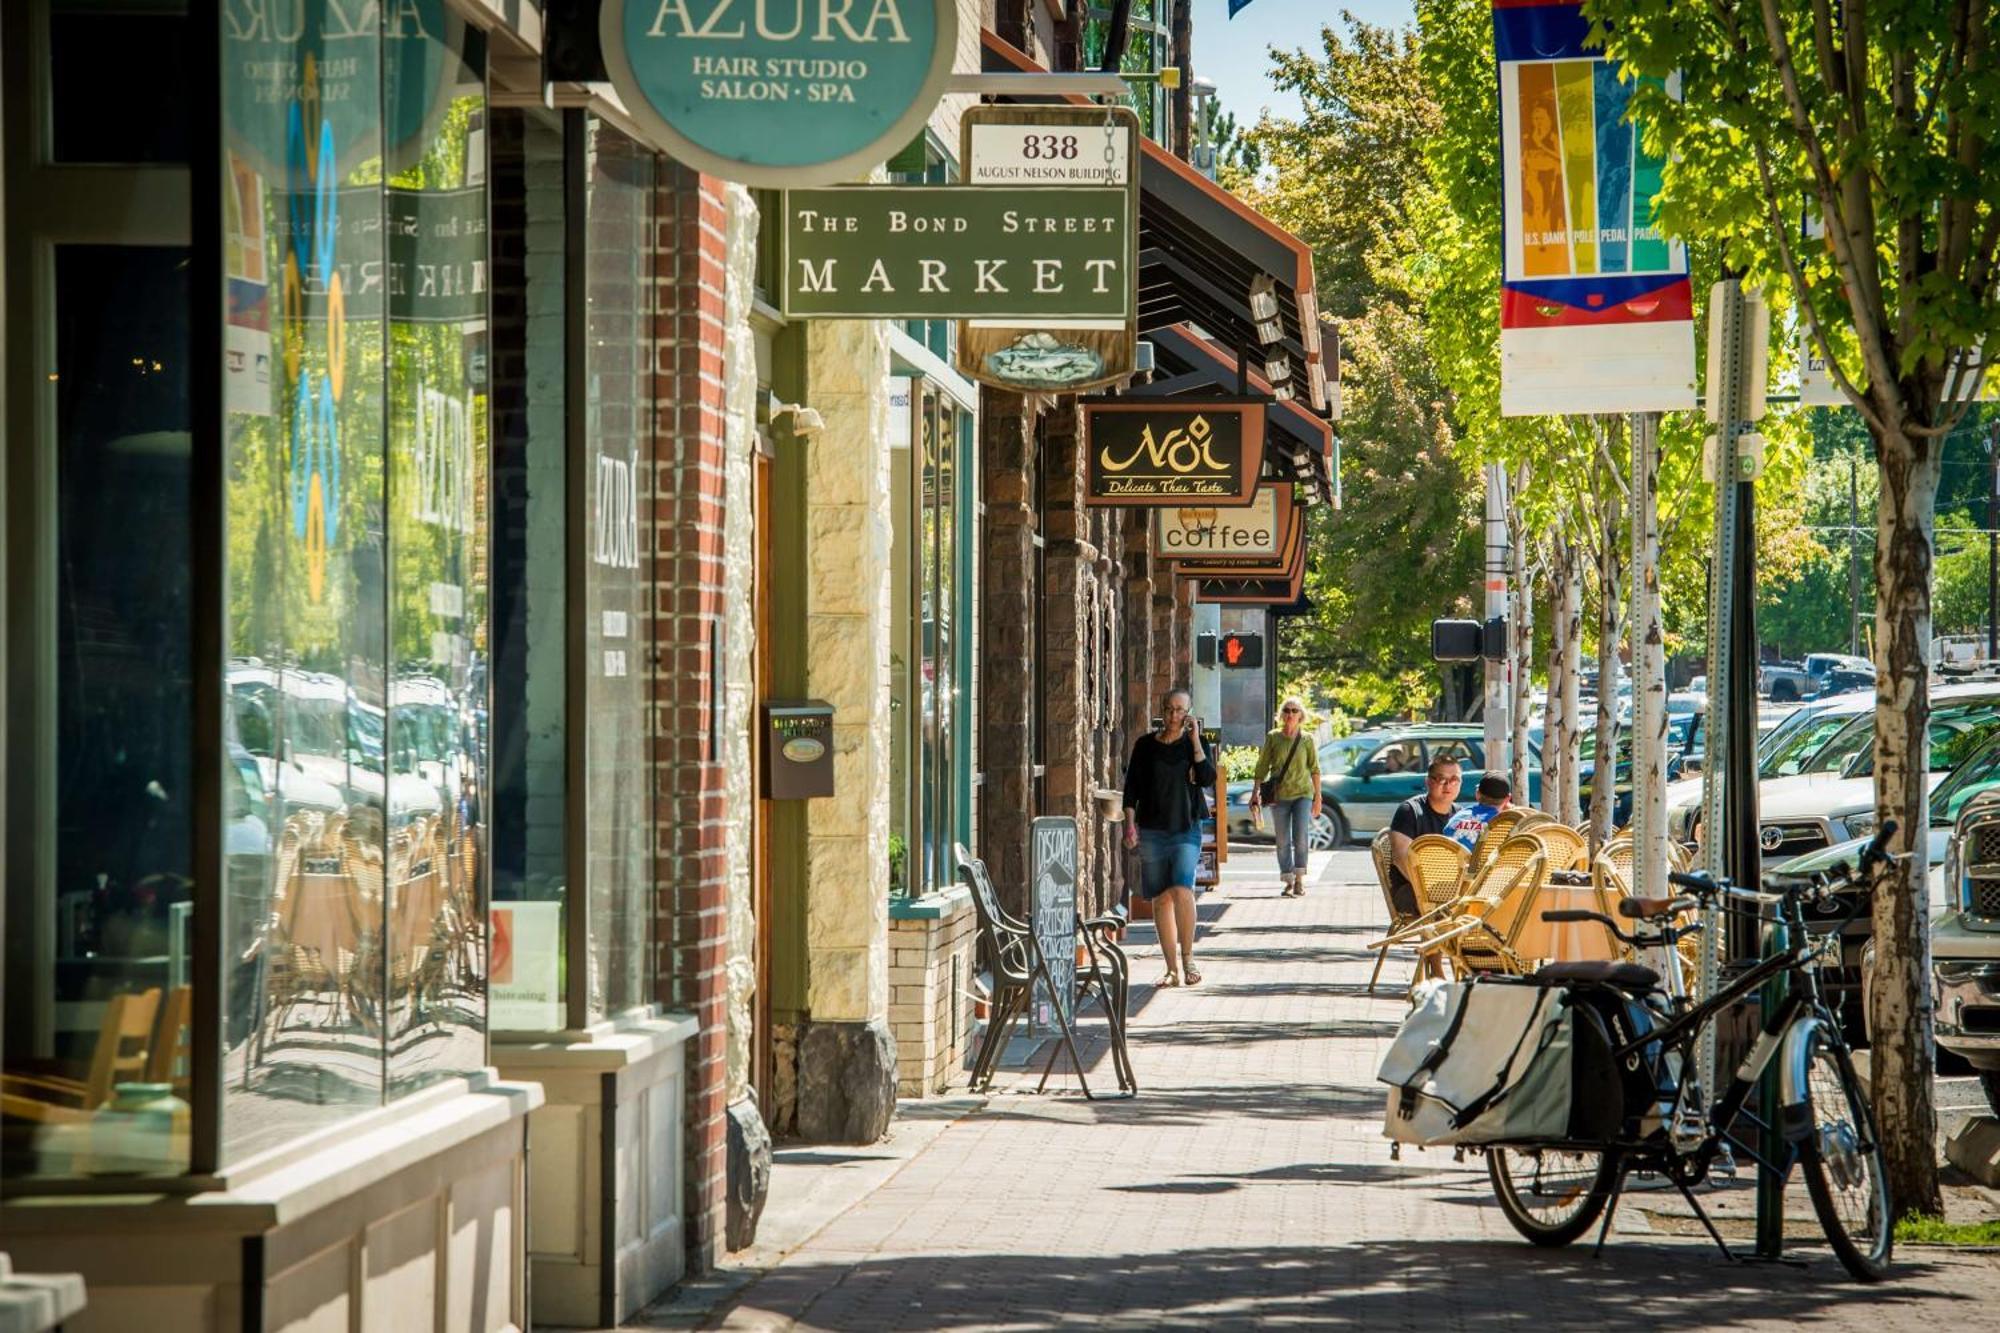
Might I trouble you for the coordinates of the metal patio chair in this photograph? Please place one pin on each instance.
(1017, 964)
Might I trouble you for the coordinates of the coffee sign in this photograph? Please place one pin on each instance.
(1205, 532)
(957, 251)
(1173, 451)
(780, 92)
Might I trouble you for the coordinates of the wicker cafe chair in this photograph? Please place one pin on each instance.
(1533, 819)
(1399, 921)
(1480, 934)
(1496, 832)
(1483, 887)
(1566, 848)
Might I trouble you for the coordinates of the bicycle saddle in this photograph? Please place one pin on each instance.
(1625, 976)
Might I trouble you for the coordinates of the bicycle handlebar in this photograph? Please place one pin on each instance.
(1871, 856)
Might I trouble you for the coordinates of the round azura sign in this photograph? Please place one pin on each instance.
(780, 93)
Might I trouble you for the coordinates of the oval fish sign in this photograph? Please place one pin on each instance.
(780, 93)
(803, 749)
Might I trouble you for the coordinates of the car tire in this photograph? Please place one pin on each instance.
(1989, 1079)
(1784, 692)
(1329, 830)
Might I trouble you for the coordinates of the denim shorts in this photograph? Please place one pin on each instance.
(1167, 860)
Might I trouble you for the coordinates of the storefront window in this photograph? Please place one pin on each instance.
(354, 397)
(573, 559)
(619, 424)
(530, 635)
(98, 976)
(929, 747)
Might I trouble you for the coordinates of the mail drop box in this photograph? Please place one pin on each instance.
(798, 750)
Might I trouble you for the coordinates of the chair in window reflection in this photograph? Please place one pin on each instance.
(121, 1055)
(418, 942)
(170, 1059)
(315, 943)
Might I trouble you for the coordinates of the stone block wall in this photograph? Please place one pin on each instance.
(931, 962)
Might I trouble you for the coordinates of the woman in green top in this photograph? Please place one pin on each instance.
(1290, 762)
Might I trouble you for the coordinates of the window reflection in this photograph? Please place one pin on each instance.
(354, 370)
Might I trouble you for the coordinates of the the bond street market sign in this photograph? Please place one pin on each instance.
(1173, 451)
(957, 251)
(1204, 532)
(780, 92)
(1050, 145)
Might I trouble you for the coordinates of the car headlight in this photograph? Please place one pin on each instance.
(1862, 823)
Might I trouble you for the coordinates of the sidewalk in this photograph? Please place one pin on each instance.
(1249, 1184)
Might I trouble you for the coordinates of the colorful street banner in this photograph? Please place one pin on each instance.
(1596, 310)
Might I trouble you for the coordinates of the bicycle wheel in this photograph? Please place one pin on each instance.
(1842, 1161)
(1551, 1195)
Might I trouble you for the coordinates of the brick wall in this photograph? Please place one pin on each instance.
(689, 808)
(930, 1004)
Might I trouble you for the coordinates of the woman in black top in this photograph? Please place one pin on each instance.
(1164, 809)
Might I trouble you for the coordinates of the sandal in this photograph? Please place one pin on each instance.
(1171, 979)
(1190, 975)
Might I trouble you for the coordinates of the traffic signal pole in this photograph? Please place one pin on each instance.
(1729, 777)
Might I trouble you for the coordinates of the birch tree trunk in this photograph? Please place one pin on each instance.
(1902, 1063)
(1604, 771)
(1521, 636)
(1563, 733)
(1649, 667)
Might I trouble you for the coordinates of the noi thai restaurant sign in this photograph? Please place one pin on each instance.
(780, 92)
(958, 252)
(1203, 532)
(1596, 310)
(1160, 451)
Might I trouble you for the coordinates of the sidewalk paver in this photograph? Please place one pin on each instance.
(1249, 1185)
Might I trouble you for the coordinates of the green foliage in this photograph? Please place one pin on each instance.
(1887, 144)
(1926, 1229)
(1349, 178)
(1238, 762)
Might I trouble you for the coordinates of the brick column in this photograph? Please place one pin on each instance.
(1067, 629)
(1183, 632)
(1006, 652)
(1137, 609)
(690, 811)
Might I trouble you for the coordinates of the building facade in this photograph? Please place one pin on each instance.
(424, 531)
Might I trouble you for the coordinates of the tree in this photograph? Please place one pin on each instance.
(1876, 120)
(1349, 178)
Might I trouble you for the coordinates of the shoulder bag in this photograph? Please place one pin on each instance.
(1267, 790)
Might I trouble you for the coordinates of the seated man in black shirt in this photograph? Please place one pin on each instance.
(1426, 813)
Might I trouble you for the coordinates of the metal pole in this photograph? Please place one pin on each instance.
(1854, 560)
(1992, 545)
(1496, 707)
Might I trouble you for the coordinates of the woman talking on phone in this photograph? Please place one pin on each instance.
(1164, 810)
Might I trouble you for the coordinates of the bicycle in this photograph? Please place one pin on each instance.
(1553, 1191)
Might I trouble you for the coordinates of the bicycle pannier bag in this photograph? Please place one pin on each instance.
(1485, 1061)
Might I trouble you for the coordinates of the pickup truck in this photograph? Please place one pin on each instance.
(1784, 682)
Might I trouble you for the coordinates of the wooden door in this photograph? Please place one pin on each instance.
(762, 1064)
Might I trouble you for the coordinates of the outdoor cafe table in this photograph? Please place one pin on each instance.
(1570, 941)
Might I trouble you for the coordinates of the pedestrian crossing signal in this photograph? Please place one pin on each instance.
(1241, 650)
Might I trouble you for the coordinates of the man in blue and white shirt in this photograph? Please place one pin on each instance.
(1489, 798)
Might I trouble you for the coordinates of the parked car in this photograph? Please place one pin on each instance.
(1829, 797)
(1365, 776)
(1787, 749)
(1965, 928)
(1820, 674)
